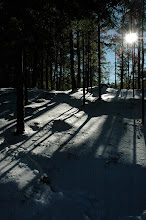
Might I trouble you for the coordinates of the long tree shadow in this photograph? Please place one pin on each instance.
(120, 187)
(24, 139)
(98, 111)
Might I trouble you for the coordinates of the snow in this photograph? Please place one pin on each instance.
(73, 161)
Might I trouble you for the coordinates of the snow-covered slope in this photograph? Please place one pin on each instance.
(73, 162)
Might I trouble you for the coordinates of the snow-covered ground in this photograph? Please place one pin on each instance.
(73, 162)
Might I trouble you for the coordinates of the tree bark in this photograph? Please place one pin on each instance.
(90, 74)
(122, 65)
(79, 61)
(56, 71)
(139, 62)
(143, 64)
(83, 72)
(42, 71)
(35, 69)
(99, 63)
(60, 73)
(25, 77)
(20, 92)
(51, 76)
(72, 62)
(88, 67)
(47, 71)
(128, 71)
(133, 68)
(115, 67)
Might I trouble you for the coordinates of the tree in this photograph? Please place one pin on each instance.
(20, 91)
(143, 6)
(72, 61)
(83, 70)
(99, 63)
(41, 39)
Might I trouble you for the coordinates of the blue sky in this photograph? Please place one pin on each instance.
(110, 56)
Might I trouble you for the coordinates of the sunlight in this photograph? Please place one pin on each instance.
(131, 38)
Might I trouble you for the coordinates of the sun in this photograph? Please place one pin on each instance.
(131, 38)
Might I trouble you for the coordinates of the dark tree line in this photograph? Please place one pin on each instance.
(54, 45)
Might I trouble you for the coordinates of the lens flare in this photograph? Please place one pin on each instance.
(131, 38)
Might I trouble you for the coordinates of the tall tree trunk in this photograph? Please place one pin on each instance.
(139, 61)
(35, 69)
(60, 73)
(56, 71)
(63, 76)
(51, 75)
(142, 64)
(99, 63)
(122, 65)
(128, 73)
(122, 57)
(30, 72)
(115, 67)
(72, 62)
(26, 87)
(133, 51)
(90, 74)
(88, 63)
(47, 70)
(42, 71)
(20, 92)
(79, 61)
(85, 68)
(60, 77)
(83, 72)
(25, 77)
(133, 65)
(54, 80)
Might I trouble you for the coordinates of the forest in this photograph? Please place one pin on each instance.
(72, 142)
(57, 45)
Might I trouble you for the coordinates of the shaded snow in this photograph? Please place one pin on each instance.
(73, 161)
